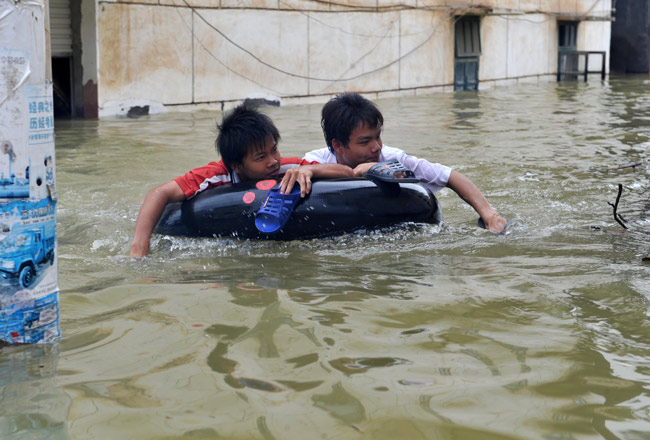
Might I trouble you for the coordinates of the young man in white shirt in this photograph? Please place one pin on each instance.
(352, 127)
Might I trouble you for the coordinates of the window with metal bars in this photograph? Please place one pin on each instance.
(467, 50)
(468, 37)
(567, 32)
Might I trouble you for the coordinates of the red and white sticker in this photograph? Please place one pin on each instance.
(266, 184)
(249, 197)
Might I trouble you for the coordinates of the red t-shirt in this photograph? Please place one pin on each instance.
(216, 173)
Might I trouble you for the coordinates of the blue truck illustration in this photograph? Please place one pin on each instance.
(25, 250)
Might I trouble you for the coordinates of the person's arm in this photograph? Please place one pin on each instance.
(467, 191)
(152, 208)
(304, 173)
(363, 168)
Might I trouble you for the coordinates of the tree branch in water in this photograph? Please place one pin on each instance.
(627, 165)
(617, 216)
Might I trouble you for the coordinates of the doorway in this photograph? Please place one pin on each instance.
(568, 58)
(63, 99)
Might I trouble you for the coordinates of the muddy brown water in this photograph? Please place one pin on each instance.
(418, 332)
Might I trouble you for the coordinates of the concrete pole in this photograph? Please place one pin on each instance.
(29, 288)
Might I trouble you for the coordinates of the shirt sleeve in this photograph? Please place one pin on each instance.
(434, 175)
(322, 155)
(297, 162)
(202, 178)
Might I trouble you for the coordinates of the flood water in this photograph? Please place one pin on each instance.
(418, 332)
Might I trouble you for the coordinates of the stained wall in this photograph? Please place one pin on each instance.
(190, 54)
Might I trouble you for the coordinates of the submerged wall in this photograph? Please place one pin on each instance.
(212, 53)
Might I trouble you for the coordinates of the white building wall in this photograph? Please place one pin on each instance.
(595, 35)
(532, 45)
(145, 56)
(218, 52)
(261, 47)
(354, 50)
(427, 50)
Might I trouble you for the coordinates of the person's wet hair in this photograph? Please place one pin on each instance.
(242, 131)
(342, 114)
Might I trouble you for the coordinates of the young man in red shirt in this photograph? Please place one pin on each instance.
(248, 146)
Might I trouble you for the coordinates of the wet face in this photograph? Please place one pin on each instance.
(364, 146)
(259, 164)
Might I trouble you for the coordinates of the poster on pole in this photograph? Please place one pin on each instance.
(29, 306)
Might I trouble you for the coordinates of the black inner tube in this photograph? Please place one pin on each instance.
(333, 207)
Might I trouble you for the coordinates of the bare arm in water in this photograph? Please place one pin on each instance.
(467, 191)
(152, 208)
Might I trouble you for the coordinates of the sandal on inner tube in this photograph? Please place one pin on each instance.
(385, 171)
(276, 210)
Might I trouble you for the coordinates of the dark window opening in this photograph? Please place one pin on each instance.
(468, 37)
(467, 49)
(568, 32)
(62, 87)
